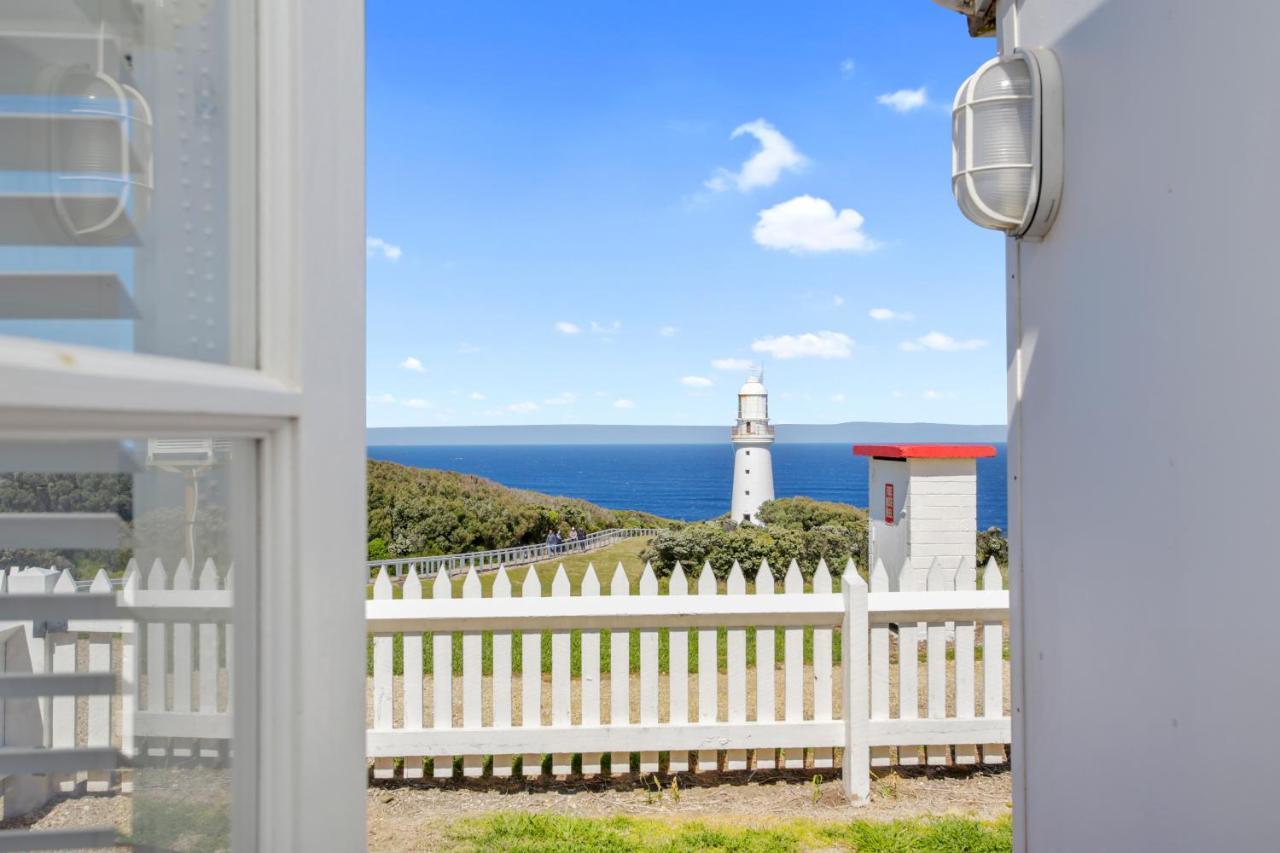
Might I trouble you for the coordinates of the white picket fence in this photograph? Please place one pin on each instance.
(730, 731)
(161, 638)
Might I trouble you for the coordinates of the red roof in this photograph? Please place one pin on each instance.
(925, 451)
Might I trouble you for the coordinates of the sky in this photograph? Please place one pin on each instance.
(607, 213)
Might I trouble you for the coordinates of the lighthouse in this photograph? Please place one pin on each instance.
(752, 452)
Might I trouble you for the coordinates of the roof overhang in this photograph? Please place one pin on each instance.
(981, 14)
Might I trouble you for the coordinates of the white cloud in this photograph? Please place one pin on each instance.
(412, 363)
(930, 394)
(824, 344)
(696, 382)
(417, 403)
(523, 408)
(939, 342)
(808, 224)
(904, 100)
(738, 364)
(776, 155)
(564, 327)
(898, 394)
(847, 67)
(623, 404)
(606, 329)
(476, 395)
(564, 398)
(378, 246)
(837, 301)
(886, 314)
(837, 398)
(668, 331)
(469, 349)
(380, 398)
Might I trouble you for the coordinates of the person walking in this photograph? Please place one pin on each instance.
(553, 541)
(573, 538)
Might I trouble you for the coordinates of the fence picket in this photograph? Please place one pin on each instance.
(908, 668)
(822, 698)
(736, 759)
(620, 676)
(130, 681)
(966, 581)
(708, 695)
(442, 678)
(61, 649)
(648, 672)
(766, 671)
(936, 651)
(678, 672)
(181, 651)
(383, 768)
(98, 724)
(156, 665)
(561, 708)
(411, 680)
(501, 681)
(881, 756)
(992, 666)
(228, 643)
(793, 641)
(531, 675)
(590, 674)
(207, 637)
(472, 678)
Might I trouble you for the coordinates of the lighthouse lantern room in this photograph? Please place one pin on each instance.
(752, 438)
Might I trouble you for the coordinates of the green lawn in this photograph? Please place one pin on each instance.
(537, 833)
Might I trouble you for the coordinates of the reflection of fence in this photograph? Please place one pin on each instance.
(788, 718)
(520, 555)
(151, 658)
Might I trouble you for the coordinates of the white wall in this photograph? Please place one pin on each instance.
(1144, 411)
(888, 542)
(942, 497)
(752, 479)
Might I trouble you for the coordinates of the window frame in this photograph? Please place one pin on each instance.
(304, 404)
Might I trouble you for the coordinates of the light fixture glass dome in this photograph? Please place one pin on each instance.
(998, 138)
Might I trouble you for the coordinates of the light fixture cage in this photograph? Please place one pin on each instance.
(1006, 143)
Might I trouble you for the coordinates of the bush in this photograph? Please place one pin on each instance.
(992, 543)
(799, 529)
(421, 512)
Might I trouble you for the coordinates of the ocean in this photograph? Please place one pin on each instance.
(684, 481)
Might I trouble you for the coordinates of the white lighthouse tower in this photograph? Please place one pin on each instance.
(753, 455)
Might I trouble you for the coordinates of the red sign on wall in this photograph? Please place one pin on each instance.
(888, 503)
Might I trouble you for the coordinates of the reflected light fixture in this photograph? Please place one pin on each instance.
(1006, 143)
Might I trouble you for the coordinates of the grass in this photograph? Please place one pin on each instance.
(626, 553)
(541, 833)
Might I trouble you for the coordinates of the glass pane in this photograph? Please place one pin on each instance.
(126, 178)
(166, 529)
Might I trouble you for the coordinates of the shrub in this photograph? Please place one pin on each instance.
(992, 543)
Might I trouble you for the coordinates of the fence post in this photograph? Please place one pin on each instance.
(857, 751)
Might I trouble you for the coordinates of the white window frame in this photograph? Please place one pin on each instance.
(304, 405)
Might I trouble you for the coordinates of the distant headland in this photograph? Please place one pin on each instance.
(868, 432)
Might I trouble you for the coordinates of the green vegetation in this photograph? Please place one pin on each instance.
(542, 833)
(420, 512)
(799, 529)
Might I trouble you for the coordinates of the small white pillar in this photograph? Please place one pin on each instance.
(923, 505)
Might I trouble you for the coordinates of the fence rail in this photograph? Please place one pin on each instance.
(519, 555)
(798, 715)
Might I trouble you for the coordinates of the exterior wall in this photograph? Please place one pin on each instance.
(888, 542)
(942, 497)
(1142, 434)
(753, 474)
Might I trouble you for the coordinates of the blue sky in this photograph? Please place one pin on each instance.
(564, 228)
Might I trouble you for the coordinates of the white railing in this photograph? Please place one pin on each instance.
(699, 728)
(519, 555)
(160, 638)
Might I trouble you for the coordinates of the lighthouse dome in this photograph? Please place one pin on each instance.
(753, 387)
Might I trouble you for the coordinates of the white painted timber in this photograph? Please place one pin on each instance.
(620, 670)
(472, 678)
(822, 693)
(441, 680)
(181, 650)
(936, 650)
(881, 756)
(207, 637)
(766, 670)
(502, 707)
(98, 733)
(61, 647)
(966, 580)
(156, 661)
(736, 638)
(649, 673)
(793, 669)
(708, 666)
(561, 713)
(590, 674)
(383, 768)
(857, 734)
(908, 668)
(677, 673)
(411, 680)
(993, 667)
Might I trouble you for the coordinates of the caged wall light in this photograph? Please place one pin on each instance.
(1006, 143)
